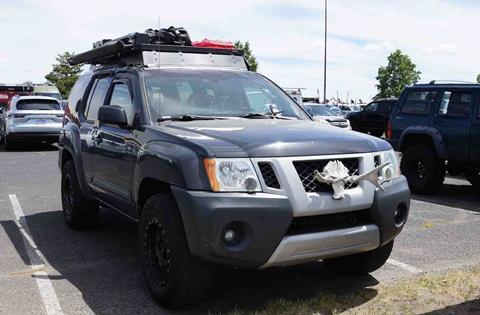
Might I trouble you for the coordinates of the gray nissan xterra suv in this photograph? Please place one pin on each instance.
(219, 166)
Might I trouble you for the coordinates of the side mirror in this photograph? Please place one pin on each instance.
(113, 114)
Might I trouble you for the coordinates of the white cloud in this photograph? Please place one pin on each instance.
(384, 46)
(442, 48)
(288, 40)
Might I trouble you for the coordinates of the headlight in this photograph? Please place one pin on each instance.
(231, 175)
(392, 170)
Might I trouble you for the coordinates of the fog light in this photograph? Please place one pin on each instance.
(229, 236)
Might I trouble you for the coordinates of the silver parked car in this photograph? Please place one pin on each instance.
(322, 113)
(31, 118)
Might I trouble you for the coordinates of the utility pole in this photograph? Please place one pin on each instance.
(325, 60)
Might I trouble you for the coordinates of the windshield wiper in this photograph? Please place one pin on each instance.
(189, 118)
(266, 116)
(255, 115)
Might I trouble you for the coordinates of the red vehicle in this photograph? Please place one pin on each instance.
(9, 91)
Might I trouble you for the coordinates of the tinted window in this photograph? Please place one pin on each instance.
(97, 98)
(121, 97)
(77, 92)
(418, 102)
(384, 107)
(37, 105)
(372, 107)
(455, 104)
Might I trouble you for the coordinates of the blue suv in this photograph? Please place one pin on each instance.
(437, 128)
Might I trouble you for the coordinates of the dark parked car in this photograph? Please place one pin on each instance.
(219, 166)
(373, 118)
(437, 128)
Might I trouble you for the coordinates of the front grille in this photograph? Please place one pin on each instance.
(305, 170)
(268, 175)
(328, 222)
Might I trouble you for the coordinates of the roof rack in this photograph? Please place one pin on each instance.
(449, 81)
(146, 48)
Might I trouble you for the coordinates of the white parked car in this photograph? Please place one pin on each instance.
(32, 117)
(321, 112)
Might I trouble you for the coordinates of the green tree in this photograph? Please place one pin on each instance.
(399, 72)
(63, 74)
(247, 51)
(478, 78)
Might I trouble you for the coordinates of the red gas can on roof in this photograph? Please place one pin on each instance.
(213, 43)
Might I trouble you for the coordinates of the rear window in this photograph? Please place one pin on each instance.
(37, 105)
(418, 102)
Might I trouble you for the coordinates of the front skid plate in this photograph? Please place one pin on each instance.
(297, 249)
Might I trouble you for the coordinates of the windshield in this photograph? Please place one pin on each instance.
(37, 105)
(221, 93)
(337, 111)
(319, 110)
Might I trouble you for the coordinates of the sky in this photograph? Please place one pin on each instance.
(286, 36)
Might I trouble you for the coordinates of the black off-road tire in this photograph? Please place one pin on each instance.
(7, 143)
(78, 211)
(362, 263)
(424, 171)
(473, 177)
(175, 279)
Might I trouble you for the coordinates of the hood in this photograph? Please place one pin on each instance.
(272, 138)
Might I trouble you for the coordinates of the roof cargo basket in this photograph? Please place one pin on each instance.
(130, 49)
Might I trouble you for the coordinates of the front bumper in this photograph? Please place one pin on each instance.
(265, 220)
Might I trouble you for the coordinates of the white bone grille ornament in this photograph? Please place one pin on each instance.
(336, 175)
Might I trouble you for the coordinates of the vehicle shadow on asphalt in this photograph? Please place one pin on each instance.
(469, 307)
(30, 147)
(103, 265)
(456, 196)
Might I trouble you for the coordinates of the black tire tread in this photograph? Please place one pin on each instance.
(473, 177)
(191, 281)
(434, 167)
(84, 212)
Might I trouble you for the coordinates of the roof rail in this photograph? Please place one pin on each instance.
(449, 81)
(128, 49)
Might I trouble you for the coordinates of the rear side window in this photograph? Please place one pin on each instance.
(77, 92)
(455, 104)
(418, 102)
(37, 105)
(97, 98)
(373, 107)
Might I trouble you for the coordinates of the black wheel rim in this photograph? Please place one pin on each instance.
(67, 195)
(157, 253)
(419, 169)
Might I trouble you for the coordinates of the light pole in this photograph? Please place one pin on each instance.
(325, 60)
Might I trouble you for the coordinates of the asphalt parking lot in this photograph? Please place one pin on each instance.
(46, 266)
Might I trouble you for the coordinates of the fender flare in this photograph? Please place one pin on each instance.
(433, 133)
(169, 163)
(69, 141)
